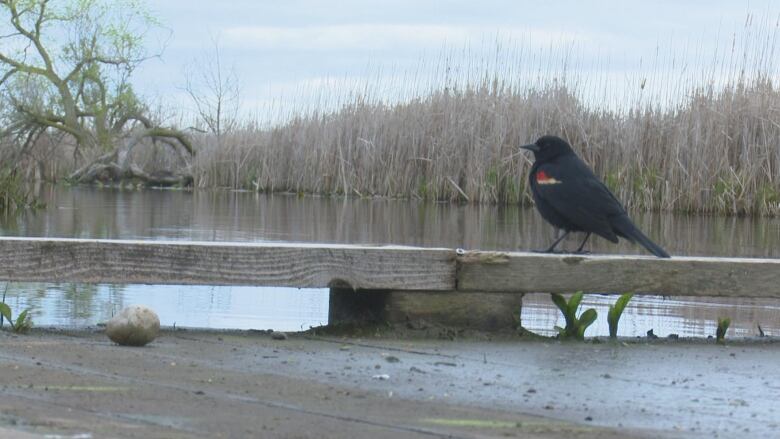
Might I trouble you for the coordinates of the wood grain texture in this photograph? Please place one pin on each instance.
(681, 276)
(210, 263)
(393, 268)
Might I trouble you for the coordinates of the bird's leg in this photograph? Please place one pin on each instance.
(551, 249)
(579, 250)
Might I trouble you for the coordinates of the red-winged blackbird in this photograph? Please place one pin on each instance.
(570, 197)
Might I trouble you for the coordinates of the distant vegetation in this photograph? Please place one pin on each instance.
(15, 194)
(718, 151)
(707, 144)
(65, 90)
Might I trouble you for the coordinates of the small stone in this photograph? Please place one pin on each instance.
(134, 325)
(276, 335)
(392, 359)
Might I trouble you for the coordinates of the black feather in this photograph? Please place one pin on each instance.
(625, 228)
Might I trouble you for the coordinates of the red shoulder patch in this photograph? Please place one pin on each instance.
(543, 178)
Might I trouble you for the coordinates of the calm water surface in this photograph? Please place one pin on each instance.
(244, 216)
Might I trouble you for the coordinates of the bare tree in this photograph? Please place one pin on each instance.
(66, 66)
(216, 92)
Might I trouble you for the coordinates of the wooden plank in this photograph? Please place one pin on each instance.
(213, 263)
(394, 268)
(682, 276)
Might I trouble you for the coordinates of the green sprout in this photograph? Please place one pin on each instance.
(23, 321)
(575, 327)
(615, 311)
(723, 326)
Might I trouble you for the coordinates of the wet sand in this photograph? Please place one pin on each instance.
(245, 384)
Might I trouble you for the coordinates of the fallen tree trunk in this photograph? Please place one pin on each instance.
(117, 166)
(113, 173)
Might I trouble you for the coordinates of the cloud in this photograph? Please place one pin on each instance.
(377, 36)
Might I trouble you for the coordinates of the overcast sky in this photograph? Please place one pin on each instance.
(289, 51)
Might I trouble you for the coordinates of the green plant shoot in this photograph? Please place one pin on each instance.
(23, 321)
(575, 327)
(615, 311)
(723, 326)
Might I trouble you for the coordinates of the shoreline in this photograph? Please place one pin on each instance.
(77, 381)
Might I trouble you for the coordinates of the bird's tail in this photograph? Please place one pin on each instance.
(625, 228)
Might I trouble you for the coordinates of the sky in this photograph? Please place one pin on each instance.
(307, 53)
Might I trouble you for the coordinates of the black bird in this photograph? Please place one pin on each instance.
(570, 197)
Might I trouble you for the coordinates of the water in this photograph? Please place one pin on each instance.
(244, 216)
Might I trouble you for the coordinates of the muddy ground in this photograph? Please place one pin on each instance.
(246, 384)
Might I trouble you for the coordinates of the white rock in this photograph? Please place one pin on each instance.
(134, 325)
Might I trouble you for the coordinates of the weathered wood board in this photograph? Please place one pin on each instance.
(682, 276)
(388, 268)
(212, 263)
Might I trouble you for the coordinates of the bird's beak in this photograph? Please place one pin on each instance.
(531, 147)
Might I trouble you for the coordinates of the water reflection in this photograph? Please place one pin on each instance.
(86, 212)
(285, 309)
(243, 216)
(686, 317)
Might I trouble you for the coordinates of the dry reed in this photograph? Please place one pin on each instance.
(667, 138)
(718, 151)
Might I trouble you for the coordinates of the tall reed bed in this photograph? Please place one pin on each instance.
(718, 150)
(667, 136)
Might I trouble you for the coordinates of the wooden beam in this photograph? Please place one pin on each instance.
(214, 263)
(388, 268)
(680, 276)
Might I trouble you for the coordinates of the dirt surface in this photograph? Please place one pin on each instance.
(246, 384)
